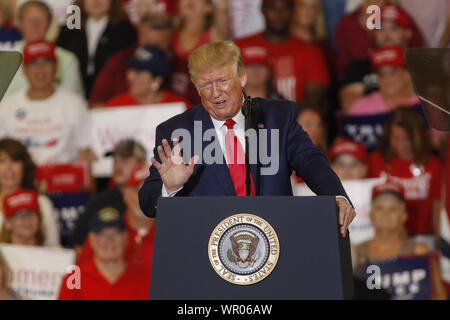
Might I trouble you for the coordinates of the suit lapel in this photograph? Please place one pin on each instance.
(220, 170)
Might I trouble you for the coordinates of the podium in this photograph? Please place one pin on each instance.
(313, 260)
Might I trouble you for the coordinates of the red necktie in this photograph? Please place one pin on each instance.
(236, 160)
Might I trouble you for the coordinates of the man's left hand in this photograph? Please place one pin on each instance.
(346, 214)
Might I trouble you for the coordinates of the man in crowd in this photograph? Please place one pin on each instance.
(50, 121)
(34, 21)
(140, 228)
(219, 74)
(107, 275)
(299, 69)
(128, 155)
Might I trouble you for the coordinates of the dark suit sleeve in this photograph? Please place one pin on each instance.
(309, 162)
(151, 189)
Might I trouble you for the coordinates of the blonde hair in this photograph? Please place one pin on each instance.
(5, 234)
(215, 55)
(6, 271)
(320, 29)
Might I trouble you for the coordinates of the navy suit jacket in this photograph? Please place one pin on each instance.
(296, 152)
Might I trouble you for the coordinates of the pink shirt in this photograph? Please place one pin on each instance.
(374, 104)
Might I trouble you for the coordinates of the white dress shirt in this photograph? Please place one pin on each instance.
(94, 31)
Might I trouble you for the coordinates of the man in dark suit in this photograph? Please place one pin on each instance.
(219, 74)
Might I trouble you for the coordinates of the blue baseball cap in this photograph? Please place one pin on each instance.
(105, 217)
(150, 58)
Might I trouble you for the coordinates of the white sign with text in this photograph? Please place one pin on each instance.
(37, 272)
(360, 193)
(111, 125)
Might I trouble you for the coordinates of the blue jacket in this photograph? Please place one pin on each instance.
(296, 152)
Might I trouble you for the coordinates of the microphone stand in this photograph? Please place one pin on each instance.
(247, 110)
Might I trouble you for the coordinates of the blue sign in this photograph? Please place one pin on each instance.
(405, 278)
(366, 129)
(69, 207)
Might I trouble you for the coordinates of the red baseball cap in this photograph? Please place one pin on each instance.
(389, 187)
(255, 55)
(388, 56)
(347, 146)
(39, 49)
(138, 176)
(395, 14)
(20, 199)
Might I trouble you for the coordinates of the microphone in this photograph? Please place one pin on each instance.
(254, 119)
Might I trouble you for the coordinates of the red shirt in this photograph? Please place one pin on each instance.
(295, 63)
(133, 284)
(183, 53)
(112, 78)
(180, 80)
(420, 191)
(126, 99)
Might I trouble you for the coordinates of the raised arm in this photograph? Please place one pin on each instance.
(168, 170)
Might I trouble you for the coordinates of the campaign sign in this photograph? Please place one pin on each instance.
(405, 278)
(69, 207)
(366, 129)
(63, 177)
(111, 125)
(37, 272)
(360, 193)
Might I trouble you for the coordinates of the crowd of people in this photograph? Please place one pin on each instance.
(135, 52)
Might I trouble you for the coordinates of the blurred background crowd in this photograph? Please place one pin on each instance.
(318, 53)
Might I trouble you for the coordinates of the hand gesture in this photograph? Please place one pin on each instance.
(172, 169)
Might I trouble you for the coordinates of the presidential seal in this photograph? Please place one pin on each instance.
(243, 249)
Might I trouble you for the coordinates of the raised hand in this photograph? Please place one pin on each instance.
(172, 169)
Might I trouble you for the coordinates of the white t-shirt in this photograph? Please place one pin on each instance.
(54, 129)
(50, 224)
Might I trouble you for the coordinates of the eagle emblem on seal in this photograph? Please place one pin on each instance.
(244, 245)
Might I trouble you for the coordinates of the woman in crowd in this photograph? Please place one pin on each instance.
(23, 222)
(105, 29)
(259, 73)
(6, 293)
(395, 84)
(199, 22)
(388, 215)
(147, 73)
(405, 157)
(308, 24)
(17, 171)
